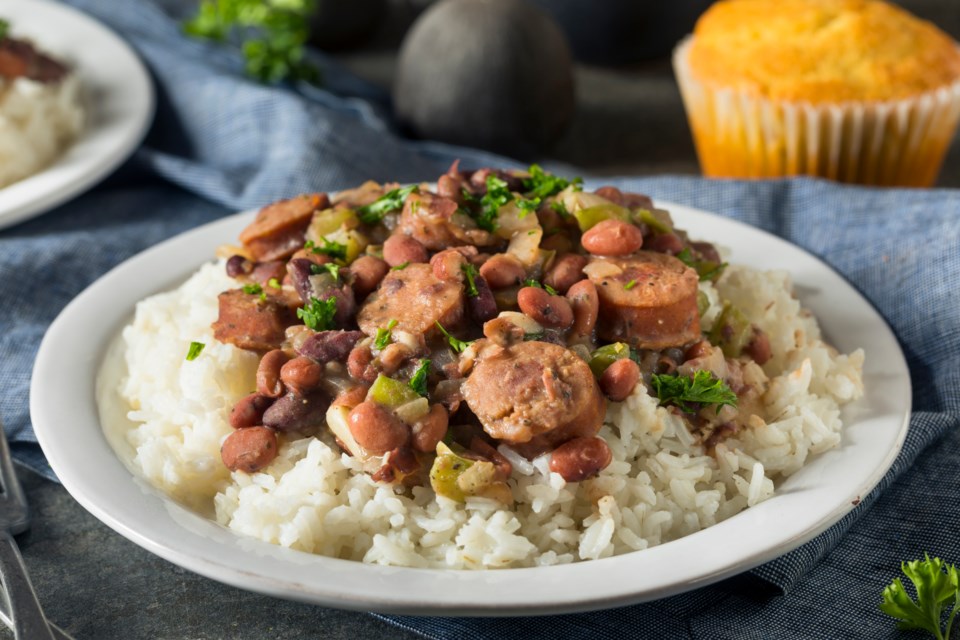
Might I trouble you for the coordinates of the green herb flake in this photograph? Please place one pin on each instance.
(497, 195)
(630, 285)
(333, 270)
(458, 346)
(560, 208)
(196, 348)
(318, 315)
(401, 266)
(937, 585)
(393, 200)
(531, 282)
(383, 335)
(702, 389)
(706, 269)
(419, 380)
(253, 289)
(274, 35)
(336, 250)
(471, 273)
(273, 282)
(542, 185)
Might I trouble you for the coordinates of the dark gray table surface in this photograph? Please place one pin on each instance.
(97, 585)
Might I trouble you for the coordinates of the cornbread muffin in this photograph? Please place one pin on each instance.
(853, 90)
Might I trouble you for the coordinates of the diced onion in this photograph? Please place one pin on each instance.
(602, 269)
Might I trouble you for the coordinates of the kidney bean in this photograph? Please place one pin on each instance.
(612, 194)
(376, 429)
(238, 266)
(669, 243)
(351, 397)
(400, 462)
(580, 458)
(329, 346)
(400, 248)
(268, 373)
(346, 305)
(618, 380)
(549, 219)
(448, 265)
(300, 270)
(707, 251)
(548, 310)
(248, 412)
(566, 271)
(612, 238)
(430, 429)
(558, 242)
(637, 201)
(360, 364)
(301, 375)
(367, 273)
(264, 272)
(393, 356)
(502, 270)
(585, 303)
(294, 412)
(483, 306)
(697, 350)
(759, 347)
(249, 450)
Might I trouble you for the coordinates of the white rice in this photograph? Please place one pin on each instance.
(660, 486)
(37, 122)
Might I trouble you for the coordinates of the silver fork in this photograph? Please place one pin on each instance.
(28, 621)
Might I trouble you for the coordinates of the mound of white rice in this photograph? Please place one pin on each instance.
(37, 122)
(661, 485)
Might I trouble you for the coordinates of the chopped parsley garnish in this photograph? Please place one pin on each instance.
(336, 250)
(419, 380)
(560, 208)
(332, 269)
(401, 266)
(530, 282)
(195, 349)
(533, 337)
(390, 201)
(542, 185)
(706, 269)
(527, 206)
(471, 272)
(253, 288)
(458, 346)
(318, 315)
(383, 335)
(630, 285)
(273, 282)
(497, 195)
(703, 388)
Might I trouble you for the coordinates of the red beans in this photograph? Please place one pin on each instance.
(502, 270)
(367, 272)
(301, 375)
(612, 238)
(351, 397)
(612, 194)
(483, 306)
(248, 412)
(249, 450)
(400, 249)
(430, 429)
(580, 458)
(566, 271)
(550, 311)
(393, 356)
(360, 364)
(268, 373)
(759, 347)
(585, 303)
(619, 379)
(376, 429)
(669, 243)
(448, 265)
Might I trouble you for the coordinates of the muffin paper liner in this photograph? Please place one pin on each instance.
(741, 135)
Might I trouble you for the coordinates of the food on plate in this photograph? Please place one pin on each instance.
(501, 370)
(40, 108)
(852, 90)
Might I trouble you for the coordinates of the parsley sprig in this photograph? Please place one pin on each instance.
(419, 380)
(542, 185)
(702, 389)
(336, 250)
(383, 335)
(274, 35)
(706, 269)
(458, 346)
(471, 273)
(938, 587)
(318, 315)
(390, 201)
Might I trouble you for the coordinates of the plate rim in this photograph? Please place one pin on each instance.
(228, 573)
(82, 172)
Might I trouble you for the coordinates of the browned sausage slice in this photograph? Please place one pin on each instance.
(278, 230)
(433, 221)
(416, 299)
(251, 323)
(534, 392)
(649, 301)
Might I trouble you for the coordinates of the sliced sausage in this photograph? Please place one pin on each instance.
(648, 301)
(416, 299)
(19, 58)
(434, 222)
(251, 323)
(534, 391)
(278, 230)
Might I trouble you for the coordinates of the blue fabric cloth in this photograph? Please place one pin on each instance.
(222, 143)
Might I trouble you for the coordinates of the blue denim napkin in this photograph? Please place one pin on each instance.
(222, 143)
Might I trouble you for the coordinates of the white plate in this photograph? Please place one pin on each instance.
(117, 97)
(66, 421)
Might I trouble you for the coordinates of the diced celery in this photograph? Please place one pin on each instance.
(731, 331)
(330, 220)
(446, 470)
(413, 411)
(606, 355)
(651, 219)
(588, 217)
(390, 393)
(703, 303)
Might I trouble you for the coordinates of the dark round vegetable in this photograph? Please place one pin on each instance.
(495, 74)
